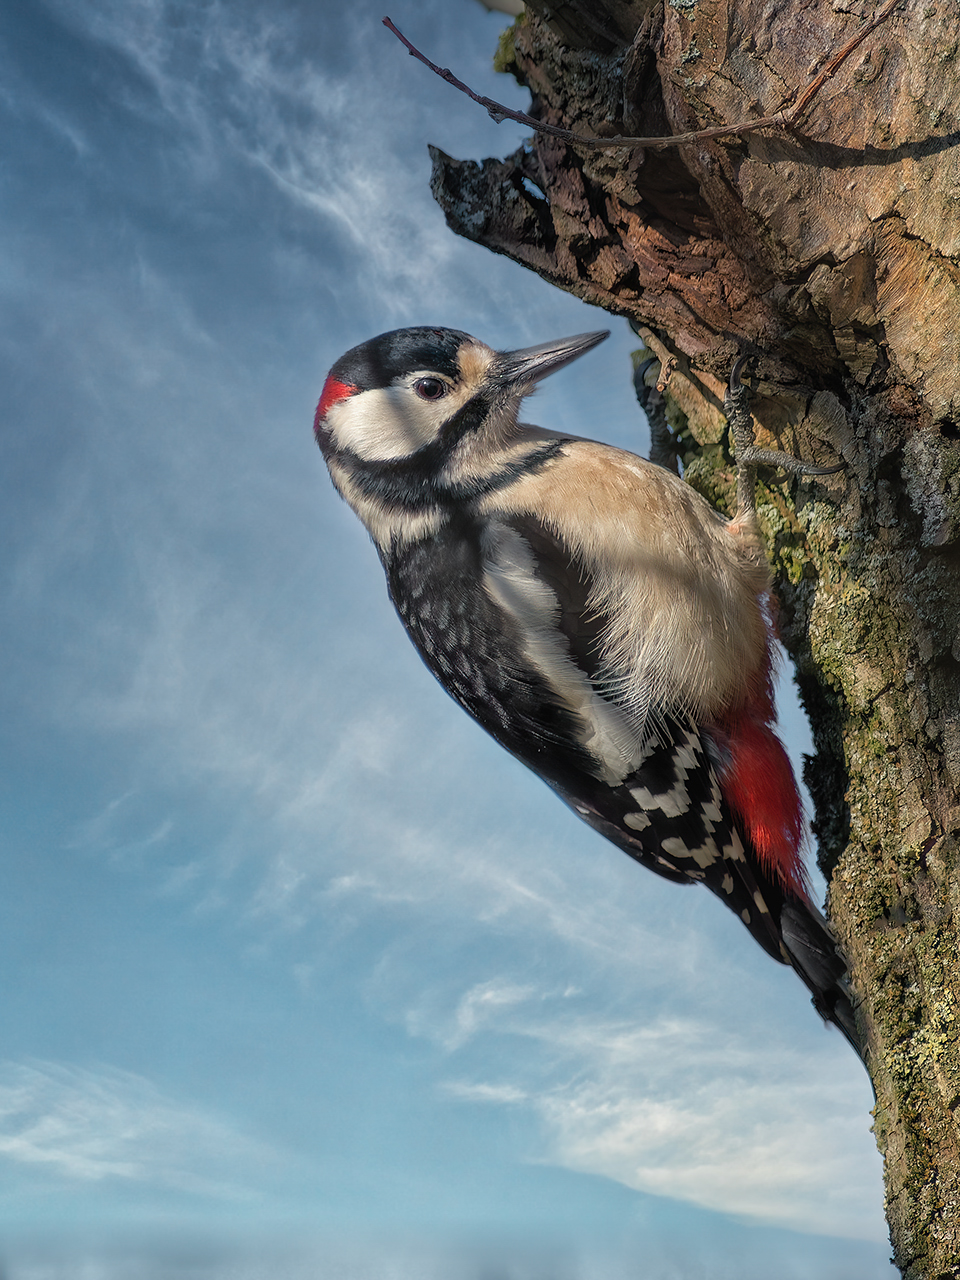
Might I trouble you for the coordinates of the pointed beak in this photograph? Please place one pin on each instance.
(524, 369)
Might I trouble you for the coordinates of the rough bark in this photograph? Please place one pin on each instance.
(831, 252)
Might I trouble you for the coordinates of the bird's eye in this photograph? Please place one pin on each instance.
(430, 388)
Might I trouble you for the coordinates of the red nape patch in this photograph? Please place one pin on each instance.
(759, 786)
(333, 393)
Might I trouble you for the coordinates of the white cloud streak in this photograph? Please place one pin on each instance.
(684, 1108)
(232, 88)
(89, 1125)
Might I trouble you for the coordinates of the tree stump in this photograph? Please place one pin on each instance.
(830, 251)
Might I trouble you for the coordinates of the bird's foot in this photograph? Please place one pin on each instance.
(736, 406)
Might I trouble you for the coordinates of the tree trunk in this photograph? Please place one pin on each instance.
(831, 252)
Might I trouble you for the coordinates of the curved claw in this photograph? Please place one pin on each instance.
(640, 371)
(825, 471)
(739, 365)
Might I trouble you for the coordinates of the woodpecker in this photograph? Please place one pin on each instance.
(592, 612)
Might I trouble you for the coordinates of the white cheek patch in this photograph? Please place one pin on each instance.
(386, 424)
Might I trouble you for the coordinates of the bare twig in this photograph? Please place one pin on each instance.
(813, 87)
(781, 120)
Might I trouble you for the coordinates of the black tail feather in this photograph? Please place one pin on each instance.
(814, 954)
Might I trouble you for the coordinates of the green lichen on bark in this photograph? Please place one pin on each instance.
(868, 613)
(505, 58)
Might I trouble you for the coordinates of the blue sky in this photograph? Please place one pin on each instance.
(303, 976)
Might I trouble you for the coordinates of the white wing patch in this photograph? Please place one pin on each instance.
(637, 821)
(511, 581)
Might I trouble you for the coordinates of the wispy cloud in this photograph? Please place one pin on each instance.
(684, 1108)
(238, 86)
(699, 1106)
(476, 1010)
(89, 1125)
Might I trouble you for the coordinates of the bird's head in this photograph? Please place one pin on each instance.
(422, 392)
